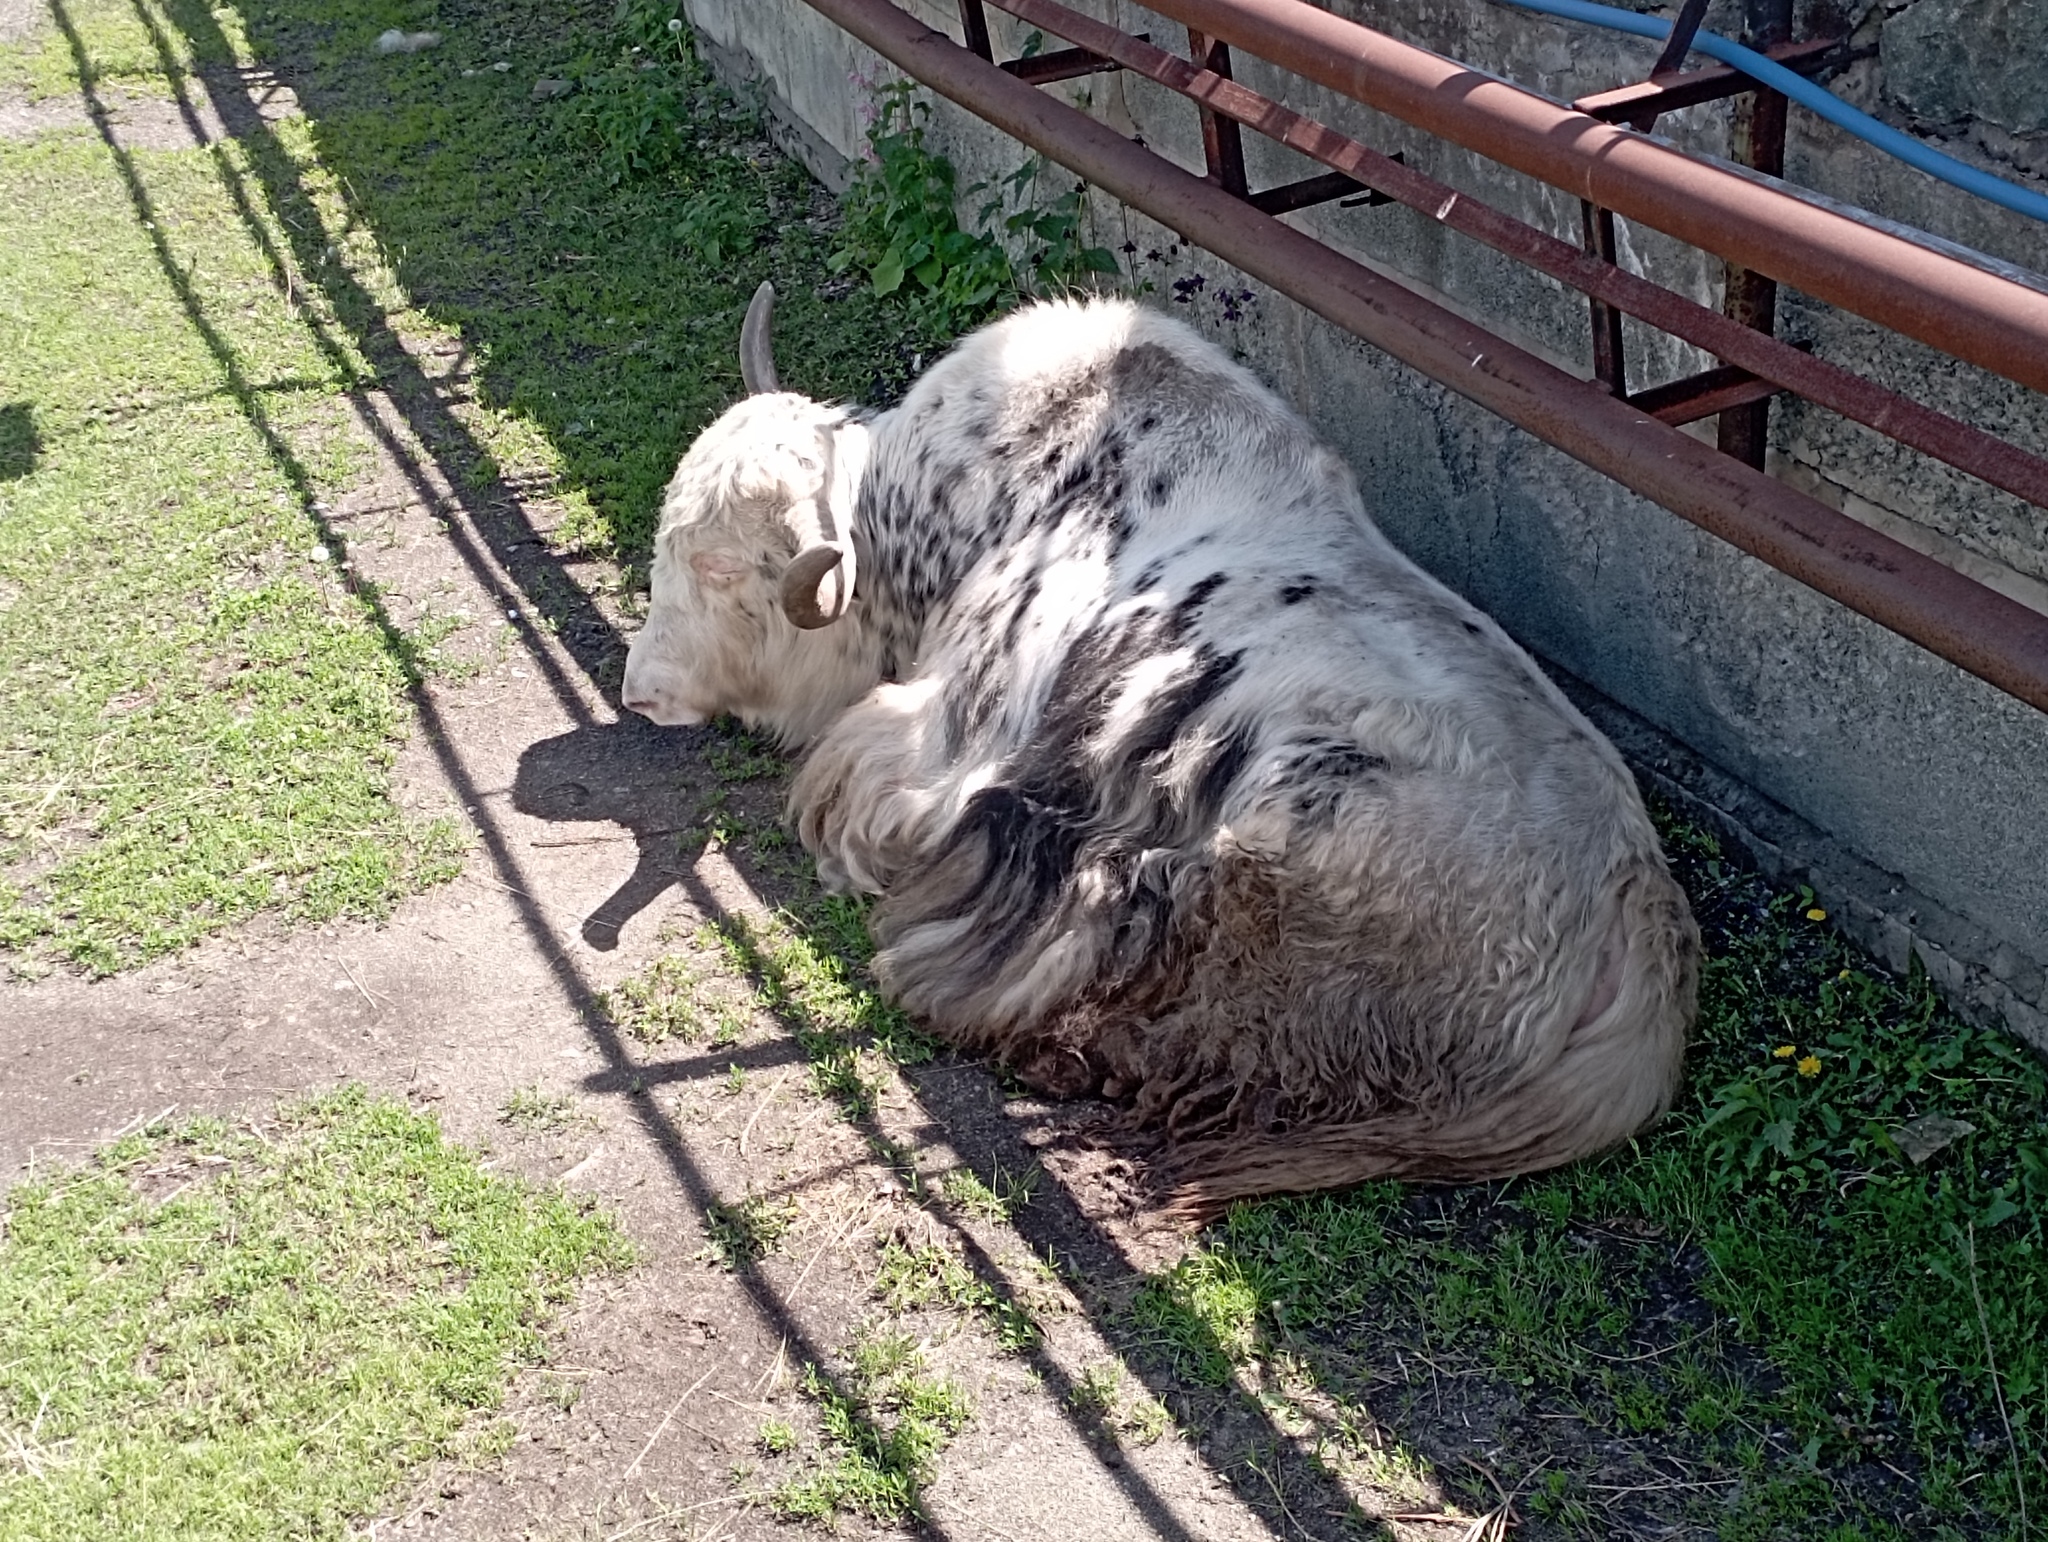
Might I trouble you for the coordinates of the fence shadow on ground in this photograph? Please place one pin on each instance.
(21, 445)
(523, 289)
(411, 417)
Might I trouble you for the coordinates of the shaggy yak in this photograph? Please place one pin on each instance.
(1177, 782)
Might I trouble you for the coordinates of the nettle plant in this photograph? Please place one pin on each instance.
(903, 230)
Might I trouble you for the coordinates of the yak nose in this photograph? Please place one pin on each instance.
(634, 695)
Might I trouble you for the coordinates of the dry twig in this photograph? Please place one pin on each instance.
(2019, 1481)
(661, 1428)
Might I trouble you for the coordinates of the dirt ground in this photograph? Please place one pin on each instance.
(490, 984)
(646, 1420)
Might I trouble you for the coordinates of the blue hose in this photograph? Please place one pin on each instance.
(1803, 91)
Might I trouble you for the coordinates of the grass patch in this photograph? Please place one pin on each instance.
(661, 1003)
(1101, 1394)
(538, 1112)
(930, 1275)
(996, 1201)
(807, 964)
(884, 1426)
(200, 711)
(209, 1332)
(682, 998)
(199, 716)
(744, 1233)
(126, 55)
(736, 755)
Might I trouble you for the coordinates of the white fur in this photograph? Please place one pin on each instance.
(1174, 775)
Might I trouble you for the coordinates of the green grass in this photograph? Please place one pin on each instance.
(807, 965)
(1101, 1394)
(999, 1200)
(1766, 1289)
(884, 1424)
(211, 1331)
(539, 1112)
(746, 1231)
(126, 54)
(199, 719)
(907, 1278)
(664, 1002)
(199, 716)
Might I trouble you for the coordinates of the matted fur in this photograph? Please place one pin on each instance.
(1176, 780)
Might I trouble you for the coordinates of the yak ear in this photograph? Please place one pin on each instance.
(719, 569)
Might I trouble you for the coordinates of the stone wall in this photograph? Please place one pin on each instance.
(1913, 797)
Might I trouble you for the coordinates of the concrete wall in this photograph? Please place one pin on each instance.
(1914, 797)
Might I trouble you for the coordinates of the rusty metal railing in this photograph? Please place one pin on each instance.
(1965, 310)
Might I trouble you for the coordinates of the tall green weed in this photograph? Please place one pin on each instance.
(902, 226)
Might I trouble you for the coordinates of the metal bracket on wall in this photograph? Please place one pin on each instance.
(1759, 143)
(1034, 69)
(1223, 149)
(1222, 142)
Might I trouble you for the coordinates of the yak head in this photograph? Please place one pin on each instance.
(753, 607)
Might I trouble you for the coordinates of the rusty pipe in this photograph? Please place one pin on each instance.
(1922, 428)
(1943, 301)
(1973, 627)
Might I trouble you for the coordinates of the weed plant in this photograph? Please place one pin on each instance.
(744, 1233)
(913, 1277)
(902, 226)
(884, 1424)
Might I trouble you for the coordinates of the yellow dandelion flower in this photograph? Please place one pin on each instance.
(1816, 914)
(1810, 1066)
(1785, 1051)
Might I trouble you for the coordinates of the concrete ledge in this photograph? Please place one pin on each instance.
(1984, 978)
(742, 75)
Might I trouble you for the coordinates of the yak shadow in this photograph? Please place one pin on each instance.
(628, 773)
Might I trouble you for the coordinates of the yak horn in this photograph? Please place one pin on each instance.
(757, 354)
(814, 587)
